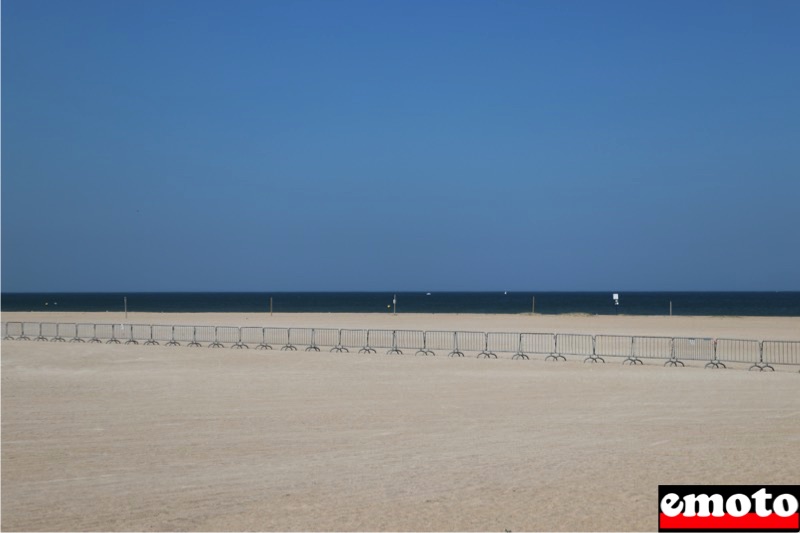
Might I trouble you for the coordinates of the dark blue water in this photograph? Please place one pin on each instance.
(595, 303)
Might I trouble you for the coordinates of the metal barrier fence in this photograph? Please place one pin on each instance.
(716, 353)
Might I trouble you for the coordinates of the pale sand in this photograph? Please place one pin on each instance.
(108, 437)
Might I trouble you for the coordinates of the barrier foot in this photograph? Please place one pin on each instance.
(76, 339)
(58, 339)
(487, 355)
(131, 341)
(595, 359)
(633, 361)
(313, 348)
(715, 364)
(113, 341)
(289, 347)
(194, 344)
(151, 342)
(762, 367)
(423, 351)
(216, 344)
(339, 349)
(23, 338)
(555, 357)
(41, 338)
(95, 340)
(263, 346)
(173, 343)
(519, 355)
(366, 349)
(239, 345)
(674, 362)
(394, 351)
(456, 353)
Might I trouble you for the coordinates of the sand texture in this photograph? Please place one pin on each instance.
(114, 437)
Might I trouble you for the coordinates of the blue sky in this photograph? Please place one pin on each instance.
(379, 145)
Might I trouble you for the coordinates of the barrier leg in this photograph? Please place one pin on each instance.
(94, 335)
(339, 348)
(58, 337)
(394, 349)
(594, 358)
(424, 350)
(263, 345)
(131, 340)
(151, 341)
(289, 346)
(239, 344)
(456, 352)
(113, 339)
(41, 337)
(486, 353)
(216, 343)
(313, 346)
(367, 348)
(172, 341)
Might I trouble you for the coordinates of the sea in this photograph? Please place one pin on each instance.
(497, 302)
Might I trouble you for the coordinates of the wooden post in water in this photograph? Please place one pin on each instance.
(270, 306)
(394, 303)
(533, 305)
(125, 300)
(670, 308)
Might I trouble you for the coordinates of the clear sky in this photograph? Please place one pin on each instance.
(163, 145)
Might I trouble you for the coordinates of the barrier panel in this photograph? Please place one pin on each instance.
(226, 335)
(652, 347)
(276, 336)
(12, 330)
(574, 344)
(105, 332)
(506, 343)
(43, 328)
(147, 332)
(252, 335)
(355, 339)
(381, 339)
(538, 343)
(779, 353)
(162, 333)
(84, 333)
(737, 351)
(300, 337)
(410, 339)
(138, 332)
(691, 349)
(616, 346)
(29, 330)
(64, 332)
(68, 331)
(339, 347)
(470, 341)
(328, 337)
(439, 340)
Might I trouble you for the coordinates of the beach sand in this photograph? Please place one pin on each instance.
(115, 437)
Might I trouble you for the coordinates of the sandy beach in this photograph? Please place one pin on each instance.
(114, 437)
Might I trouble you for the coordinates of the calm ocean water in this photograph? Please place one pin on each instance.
(601, 303)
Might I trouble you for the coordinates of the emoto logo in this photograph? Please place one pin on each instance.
(728, 508)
